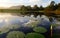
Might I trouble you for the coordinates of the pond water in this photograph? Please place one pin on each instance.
(26, 23)
(8, 19)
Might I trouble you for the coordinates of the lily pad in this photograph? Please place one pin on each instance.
(40, 29)
(15, 34)
(4, 30)
(34, 35)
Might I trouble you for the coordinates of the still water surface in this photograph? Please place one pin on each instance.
(10, 21)
(7, 18)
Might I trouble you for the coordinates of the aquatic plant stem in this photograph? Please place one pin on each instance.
(51, 30)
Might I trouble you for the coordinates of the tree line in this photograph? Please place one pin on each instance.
(51, 9)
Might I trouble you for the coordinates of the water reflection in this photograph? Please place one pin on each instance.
(8, 19)
(26, 23)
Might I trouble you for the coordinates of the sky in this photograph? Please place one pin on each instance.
(9, 3)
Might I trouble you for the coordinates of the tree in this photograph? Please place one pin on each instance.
(51, 7)
(23, 8)
(36, 8)
(15, 34)
(29, 8)
(58, 6)
(52, 3)
(41, 8)
(58, 9)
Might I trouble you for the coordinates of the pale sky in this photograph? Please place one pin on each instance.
(8, 3)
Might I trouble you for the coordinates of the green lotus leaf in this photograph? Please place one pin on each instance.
(34, 35)
(40, 29)
(15, 34)
(4, 30)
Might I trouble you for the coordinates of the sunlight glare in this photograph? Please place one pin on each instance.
(5, 17)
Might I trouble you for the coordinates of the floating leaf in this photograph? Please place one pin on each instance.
(34, 35)
(40, 29)
(15, 34)
(4, 30)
